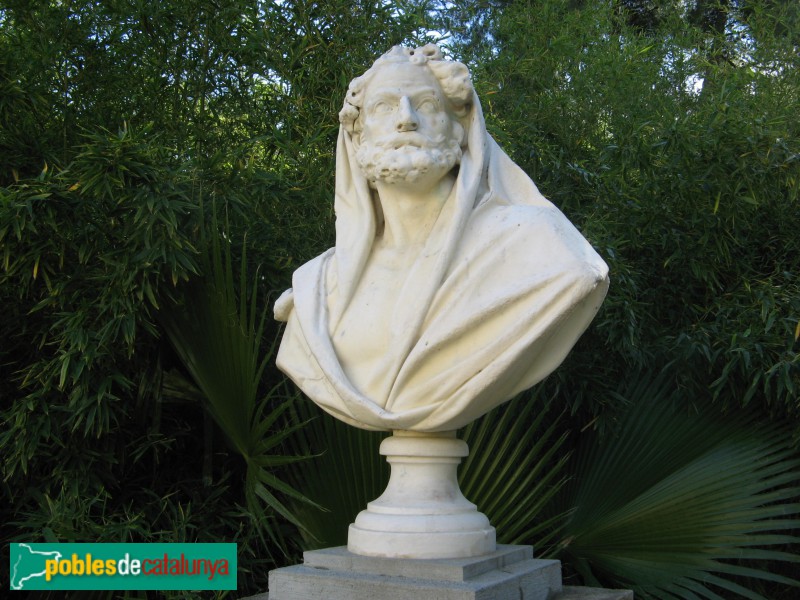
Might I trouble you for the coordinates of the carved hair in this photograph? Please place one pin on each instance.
(453, 76)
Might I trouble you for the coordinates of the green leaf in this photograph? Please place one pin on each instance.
(217, 329)
(674, 496)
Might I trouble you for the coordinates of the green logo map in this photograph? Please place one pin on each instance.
(28, 565)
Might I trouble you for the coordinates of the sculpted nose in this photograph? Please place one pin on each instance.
(406, 117)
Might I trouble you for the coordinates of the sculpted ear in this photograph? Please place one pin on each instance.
(356, 137)
(459, 133)
(355, 132)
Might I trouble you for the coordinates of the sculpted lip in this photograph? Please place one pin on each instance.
(402, 140)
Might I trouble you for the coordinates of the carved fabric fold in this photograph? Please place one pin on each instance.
(501, 292)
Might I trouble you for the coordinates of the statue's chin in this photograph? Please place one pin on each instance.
(407, 164)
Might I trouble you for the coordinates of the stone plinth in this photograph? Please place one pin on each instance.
(422, 513)
(509, 573)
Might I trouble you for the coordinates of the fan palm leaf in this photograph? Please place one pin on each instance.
(346, 472)
(680, 504)
(217, 331)
(515, 467)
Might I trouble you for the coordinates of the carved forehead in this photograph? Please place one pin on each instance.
(388, 72)
(403, 79)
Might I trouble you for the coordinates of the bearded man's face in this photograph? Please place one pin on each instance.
(408, 134)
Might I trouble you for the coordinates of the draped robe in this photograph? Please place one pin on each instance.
(503, 288)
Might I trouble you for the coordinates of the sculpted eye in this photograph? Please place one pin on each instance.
(428, 105)
(382, 108)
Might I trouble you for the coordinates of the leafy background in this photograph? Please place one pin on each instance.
(164, 167)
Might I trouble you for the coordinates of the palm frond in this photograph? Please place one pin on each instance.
(515, 468)
(682, 504)
(217, 331)
(346, 472)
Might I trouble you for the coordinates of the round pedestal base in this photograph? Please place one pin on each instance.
(422, 513)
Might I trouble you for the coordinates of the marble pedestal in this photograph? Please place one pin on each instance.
(508, 573)
(422, 513)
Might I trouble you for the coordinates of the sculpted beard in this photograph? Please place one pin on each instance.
(395, 160)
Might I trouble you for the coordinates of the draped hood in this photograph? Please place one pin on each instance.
(501, 291)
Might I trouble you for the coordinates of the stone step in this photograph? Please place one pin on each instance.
(568, 593)
(527, 579)
(587, 593)
(509, 573)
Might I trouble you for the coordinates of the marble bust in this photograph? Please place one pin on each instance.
(454, 284)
